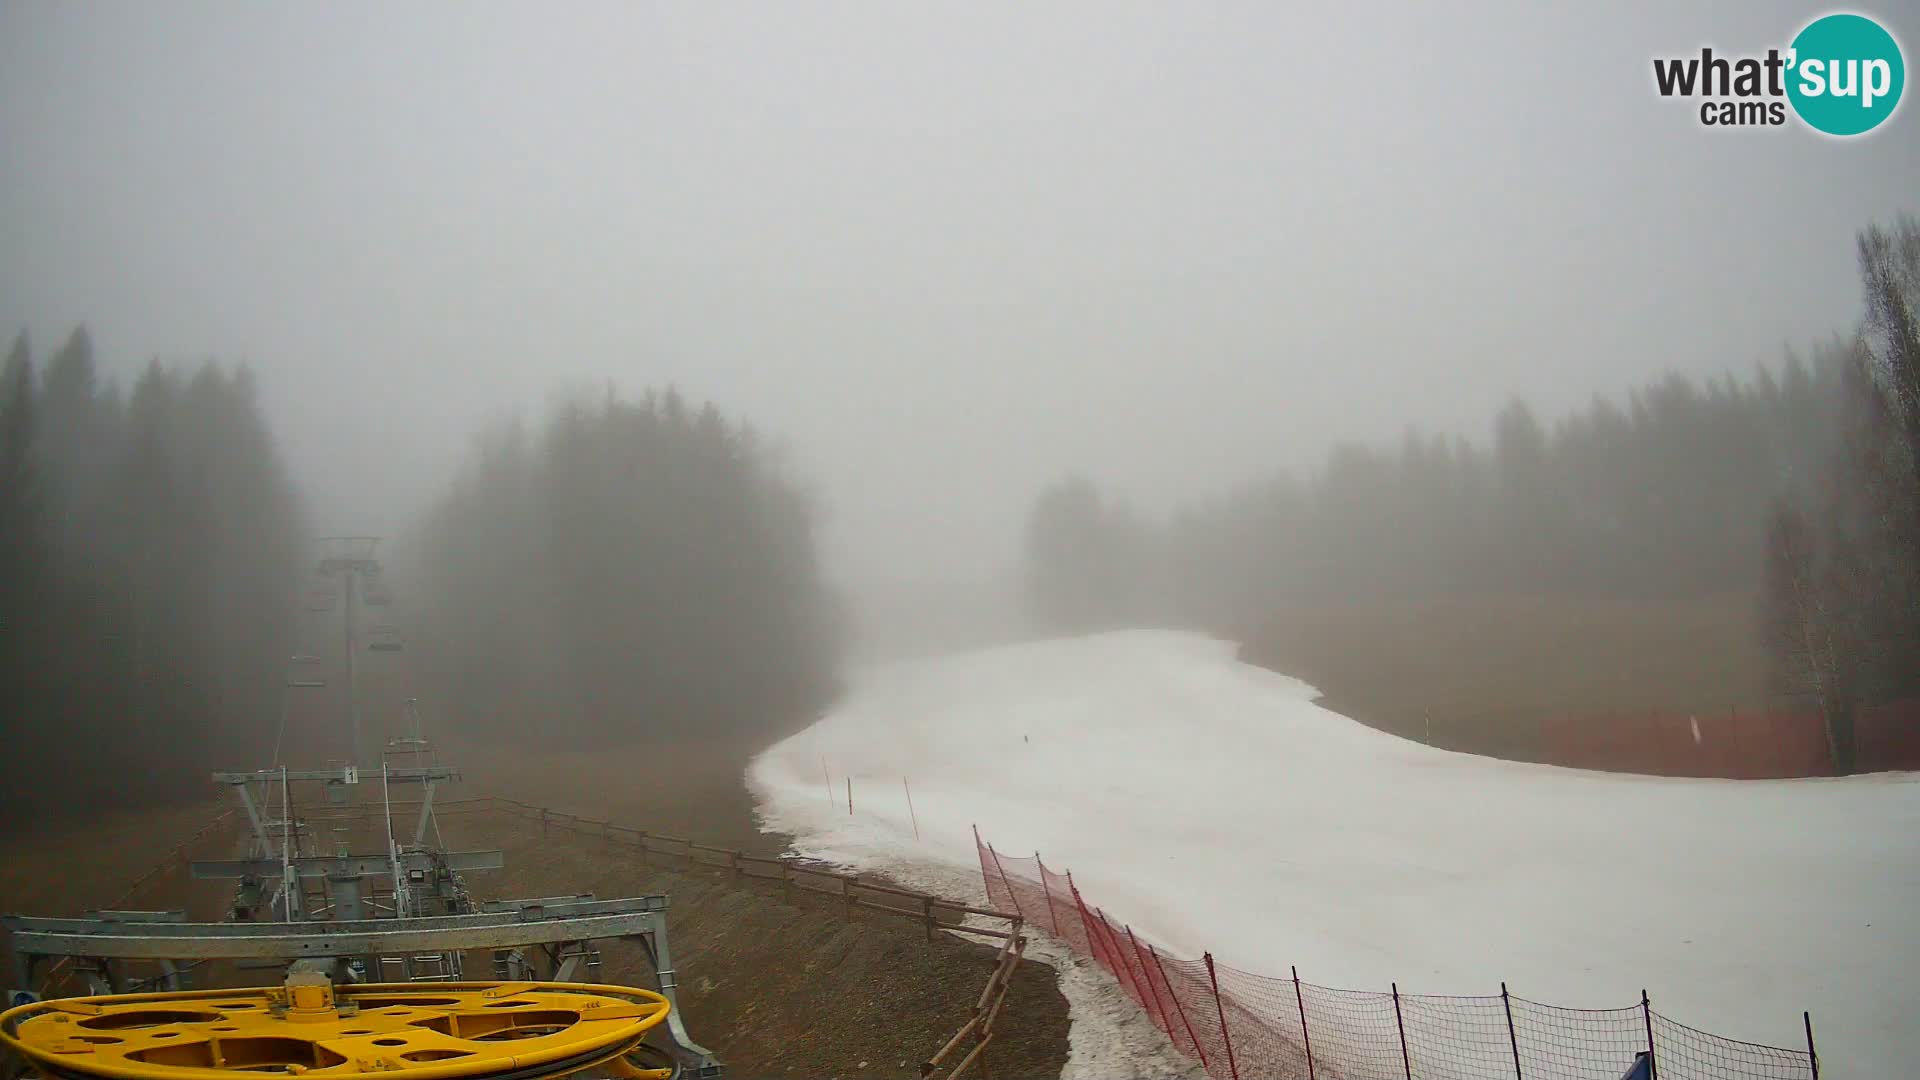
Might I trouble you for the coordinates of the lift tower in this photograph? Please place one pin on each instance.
(349, 558)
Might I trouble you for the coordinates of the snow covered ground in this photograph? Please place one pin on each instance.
(1211, 805)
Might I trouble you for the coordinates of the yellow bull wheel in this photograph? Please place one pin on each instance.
(439, 1031)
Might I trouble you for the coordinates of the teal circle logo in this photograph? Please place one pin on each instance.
(1845, 75)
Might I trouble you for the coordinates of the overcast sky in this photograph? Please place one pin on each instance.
(943, 252)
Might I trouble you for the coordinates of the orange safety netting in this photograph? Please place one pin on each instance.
(1241, 1025)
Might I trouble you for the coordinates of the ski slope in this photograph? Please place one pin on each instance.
(1213, 806)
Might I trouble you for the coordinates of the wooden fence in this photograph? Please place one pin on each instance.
(935, 913)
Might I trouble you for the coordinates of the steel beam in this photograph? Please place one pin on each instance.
(538, 901)
(315, 866)
(375, 937)
(412, 774)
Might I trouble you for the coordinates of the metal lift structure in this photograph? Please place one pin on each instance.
(350, 936)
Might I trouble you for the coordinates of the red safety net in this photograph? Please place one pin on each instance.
(1731, 744)
(1239, 1024)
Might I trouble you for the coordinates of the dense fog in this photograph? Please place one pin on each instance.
(684, 358)
(631, 568)
(1795, 486)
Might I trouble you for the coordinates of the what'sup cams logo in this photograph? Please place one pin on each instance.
(1841, 75)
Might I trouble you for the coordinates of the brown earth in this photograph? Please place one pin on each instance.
(781, 984)
(776, 984)
(695, 790)
(1482, 674)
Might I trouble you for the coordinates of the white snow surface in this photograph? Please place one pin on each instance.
(1213, 806)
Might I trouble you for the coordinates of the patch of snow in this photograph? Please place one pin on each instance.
(1213, 805)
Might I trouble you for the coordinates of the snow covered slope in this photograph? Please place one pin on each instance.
(1211, 805)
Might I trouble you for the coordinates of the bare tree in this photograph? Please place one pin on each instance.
(1801, 623)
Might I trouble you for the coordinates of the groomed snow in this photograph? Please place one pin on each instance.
(1212, 805)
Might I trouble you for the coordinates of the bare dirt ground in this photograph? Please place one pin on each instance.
(777, 985)
(696, 790)
(790, 985)
(60, 867)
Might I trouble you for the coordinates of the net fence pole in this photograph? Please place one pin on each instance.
(1813, 1059)
(1008, 885)
(1047, 891)
(1159, 1006)
(1646, 1011)
(1085, 924)
(1123, 970)
(1185, 1023)
(1406, 1061)
(1233, 1068)
(1506, 1002)
(1306, 1042)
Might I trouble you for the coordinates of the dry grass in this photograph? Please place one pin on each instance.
(1484, 671)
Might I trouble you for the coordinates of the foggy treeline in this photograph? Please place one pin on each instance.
(634, 570)
(1666, 495)
(149, 542)
(1663, 493)
(639, 570)
(1842, 599)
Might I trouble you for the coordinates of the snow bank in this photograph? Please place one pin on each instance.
(1212, 805)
